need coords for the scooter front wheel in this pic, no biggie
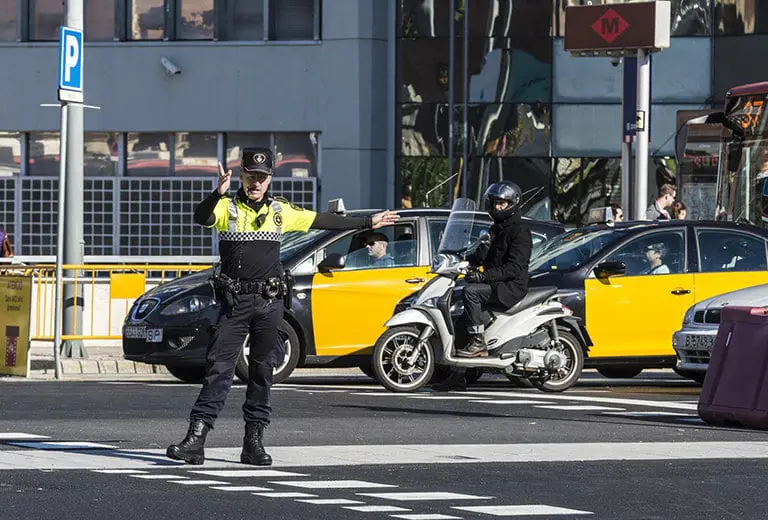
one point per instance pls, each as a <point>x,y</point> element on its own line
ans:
<point>400,362</point>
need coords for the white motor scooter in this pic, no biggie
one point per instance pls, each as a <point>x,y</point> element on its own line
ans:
<point>538,339</point>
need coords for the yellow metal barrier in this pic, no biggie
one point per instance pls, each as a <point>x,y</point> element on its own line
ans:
<point>108,291</point>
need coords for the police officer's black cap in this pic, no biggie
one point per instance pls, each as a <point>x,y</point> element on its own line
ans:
<point>256,160</point>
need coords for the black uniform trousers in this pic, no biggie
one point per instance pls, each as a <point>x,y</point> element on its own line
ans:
<point>261,317</point>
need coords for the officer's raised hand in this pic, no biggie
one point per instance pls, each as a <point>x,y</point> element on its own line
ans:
<point>385,218</point>
<point>224,179</point>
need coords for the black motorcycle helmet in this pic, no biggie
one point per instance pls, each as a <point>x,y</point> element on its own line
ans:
<point>504,190</point>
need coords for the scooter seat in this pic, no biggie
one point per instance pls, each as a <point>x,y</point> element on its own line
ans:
<point>535,296</point>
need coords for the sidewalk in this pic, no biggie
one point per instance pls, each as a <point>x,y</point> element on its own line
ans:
<point>105,359</point>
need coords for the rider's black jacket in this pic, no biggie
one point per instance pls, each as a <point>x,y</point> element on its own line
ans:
<point>505,261</point>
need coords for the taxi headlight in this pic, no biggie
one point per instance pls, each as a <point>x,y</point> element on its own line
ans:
<point>188,305</point>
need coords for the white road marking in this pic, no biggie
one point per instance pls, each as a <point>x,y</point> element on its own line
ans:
<point>300,457</point>
<point>528,510</point>
<point>673,405</point>
<point>330,501</point>
<point>427,516</point>
<point>198,482</point>
<point>376,509</point>
<point>510,401</point>
<point>285,494</point>
<point>21,436</point>
<point>60,445</point>
<point>119,471</point>
<point>333,484</point>
<point>577,407</point>
<point>158,477</point>
<point>648,414</point>
<point>249,473</point>
<point>435,397</point>
<point>241,488</point>
<point>424,495</point>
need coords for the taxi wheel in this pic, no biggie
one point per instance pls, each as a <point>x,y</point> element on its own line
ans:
<point>574,353</point>
<point>188,374</point>
<point>392,360</point>
<point>619,373</point>
<point>286,368</point>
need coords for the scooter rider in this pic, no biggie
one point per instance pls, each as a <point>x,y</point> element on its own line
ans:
<point>504,278</point>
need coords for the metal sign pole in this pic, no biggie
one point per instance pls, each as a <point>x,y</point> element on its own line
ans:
<point>641,153</point>
<point>60,239</point>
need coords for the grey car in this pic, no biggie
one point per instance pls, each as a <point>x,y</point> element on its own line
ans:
<point>693,343</point>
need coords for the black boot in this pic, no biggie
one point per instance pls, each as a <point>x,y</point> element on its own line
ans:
<point>456,380</point>
<point>253,447</point>
<point>475,348</point>
<point>190,450</point>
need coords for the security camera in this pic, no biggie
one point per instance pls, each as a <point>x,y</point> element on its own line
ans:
<point>170,67</point>
<point>615,62</point>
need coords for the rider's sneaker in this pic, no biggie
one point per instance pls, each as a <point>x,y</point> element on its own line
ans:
<point>475,348</point>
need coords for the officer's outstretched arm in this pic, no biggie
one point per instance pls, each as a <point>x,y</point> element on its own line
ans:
<point>340,222</point>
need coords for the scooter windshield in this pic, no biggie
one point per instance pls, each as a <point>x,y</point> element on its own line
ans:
<point>457,235</point>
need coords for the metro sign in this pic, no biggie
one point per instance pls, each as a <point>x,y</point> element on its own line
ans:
<point>610,25</point>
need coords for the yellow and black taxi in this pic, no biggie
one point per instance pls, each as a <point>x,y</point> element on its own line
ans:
<point>346,285</point>
<point>636,280</point>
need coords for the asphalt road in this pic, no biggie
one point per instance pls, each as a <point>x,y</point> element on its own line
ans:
<point>345,448</point>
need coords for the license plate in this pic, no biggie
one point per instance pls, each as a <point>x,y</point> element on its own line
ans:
<point>135,332</point>
<point>699,342</point>
<point>154,335</point>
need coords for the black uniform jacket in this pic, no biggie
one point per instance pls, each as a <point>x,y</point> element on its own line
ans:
<point>505,261</point>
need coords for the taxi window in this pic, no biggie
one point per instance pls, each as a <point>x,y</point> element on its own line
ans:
<point>387,247</point>
<point>569,251</point>
<point>724,250</point>
<point>657,253</point>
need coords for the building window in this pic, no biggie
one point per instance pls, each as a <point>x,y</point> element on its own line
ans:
<point>10,154</point>
<point>43,153</point>
<point>243,20</point>
<point>195,20</point>
<point>45,18</point>
<point>7,25</point>
<point>99,20</point>
<point>146,19</point>
<point>101,153</point>
<point>148,154</point>
<point>294,19</point>
<point>295,155</point>
<point>195,154</point>
<point>733,17</point>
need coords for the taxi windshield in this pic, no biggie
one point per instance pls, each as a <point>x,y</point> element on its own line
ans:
<point>295,240</point>
<point>571,250</point>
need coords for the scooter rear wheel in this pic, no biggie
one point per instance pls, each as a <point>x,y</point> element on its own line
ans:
<point>394,363</point>
<point>570,374</point>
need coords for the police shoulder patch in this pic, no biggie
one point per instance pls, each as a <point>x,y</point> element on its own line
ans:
<point>278,219</point>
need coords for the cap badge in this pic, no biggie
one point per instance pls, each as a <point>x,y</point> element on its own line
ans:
<point>259,158</point>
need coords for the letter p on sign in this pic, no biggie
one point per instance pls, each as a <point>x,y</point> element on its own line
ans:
<point>71,63</point>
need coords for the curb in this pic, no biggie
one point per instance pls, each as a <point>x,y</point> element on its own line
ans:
<point>96,366</point>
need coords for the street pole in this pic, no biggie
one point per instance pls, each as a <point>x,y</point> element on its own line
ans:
<point>626,165</point>
<point>74,244</point>
<point>641,153</point>
<point>465,89</point>
<point>60,241</point>
<point>451,90</point>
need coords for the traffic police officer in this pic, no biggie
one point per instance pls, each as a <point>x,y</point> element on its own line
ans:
<point>250,283</point>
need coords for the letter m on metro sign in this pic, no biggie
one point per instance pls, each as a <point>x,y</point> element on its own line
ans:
<point>610,25</point>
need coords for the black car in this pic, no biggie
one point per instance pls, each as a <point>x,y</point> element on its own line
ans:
<point>339,302</point>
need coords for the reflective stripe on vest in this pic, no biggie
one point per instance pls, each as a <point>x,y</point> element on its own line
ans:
<point>232,226</point>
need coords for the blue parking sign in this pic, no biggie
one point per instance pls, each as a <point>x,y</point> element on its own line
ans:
<point>71,60</point>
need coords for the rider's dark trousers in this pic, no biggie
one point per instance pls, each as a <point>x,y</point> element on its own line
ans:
<point>262,318</point>
<point>476,296</point>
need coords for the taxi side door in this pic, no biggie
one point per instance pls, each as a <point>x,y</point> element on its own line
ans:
<point>351,304</point>
<point>728,260</point>
<point>635,313</point>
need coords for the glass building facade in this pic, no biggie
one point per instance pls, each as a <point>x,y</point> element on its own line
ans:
<point>552,122</point>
